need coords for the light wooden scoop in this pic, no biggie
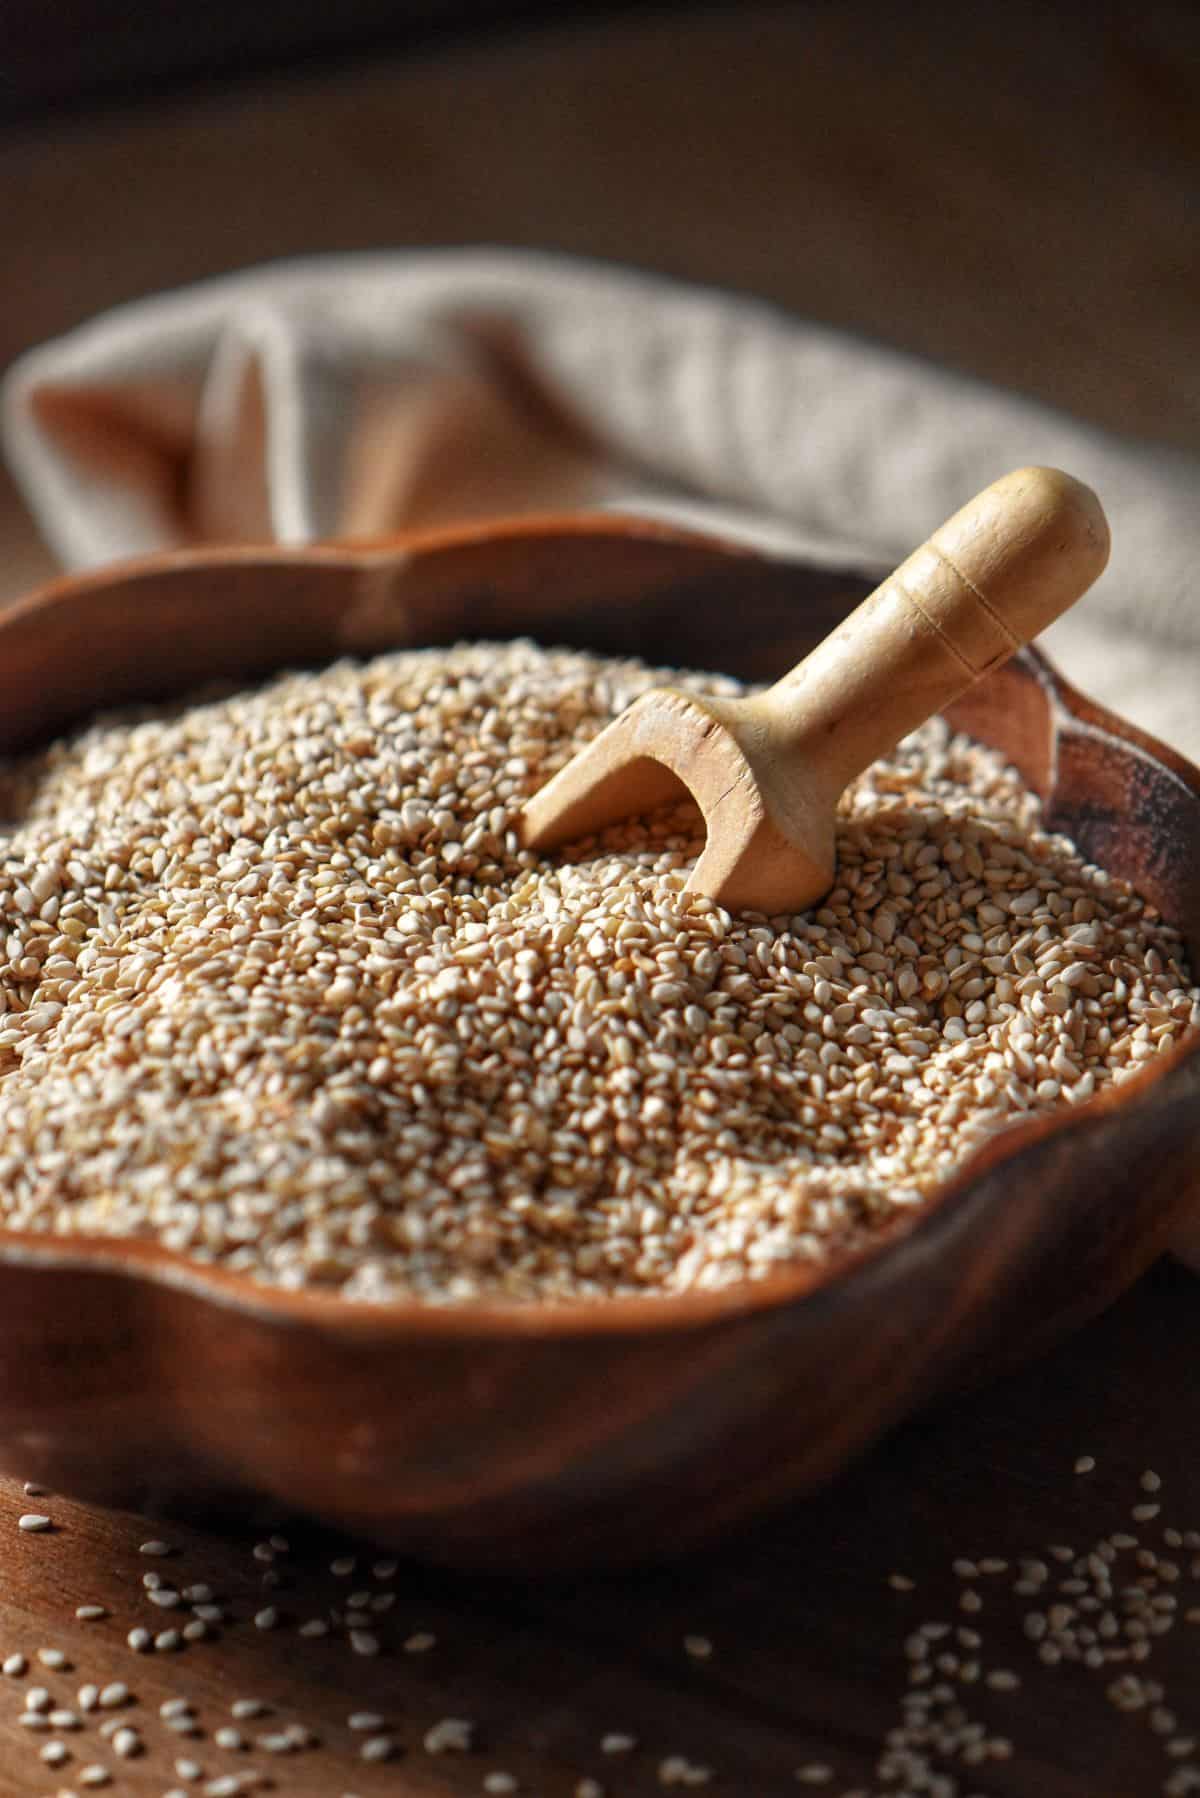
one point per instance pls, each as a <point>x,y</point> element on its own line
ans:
<point>767,772</point>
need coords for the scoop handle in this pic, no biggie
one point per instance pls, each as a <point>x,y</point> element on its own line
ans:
<point>993,576</point>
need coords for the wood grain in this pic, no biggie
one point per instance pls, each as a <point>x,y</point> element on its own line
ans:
<point>808,1660</point>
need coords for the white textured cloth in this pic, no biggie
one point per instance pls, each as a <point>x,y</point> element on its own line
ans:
<point>355,395</point>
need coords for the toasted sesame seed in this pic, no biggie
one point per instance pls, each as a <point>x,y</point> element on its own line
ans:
<point>453,945</point>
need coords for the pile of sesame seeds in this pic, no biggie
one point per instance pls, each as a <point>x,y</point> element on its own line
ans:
<point>281,990</point>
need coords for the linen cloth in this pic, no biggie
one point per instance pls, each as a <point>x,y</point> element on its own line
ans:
<point>350,396</point>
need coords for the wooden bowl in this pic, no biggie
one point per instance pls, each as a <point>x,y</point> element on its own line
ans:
<point>572,1434</point>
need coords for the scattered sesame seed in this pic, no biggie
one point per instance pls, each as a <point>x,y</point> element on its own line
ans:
<point>420,1642</point>
<point>15,1665</point>
<point>450,1735</point>
<point>381,1748</point>
<point>230,1738</point>
<point>54,1659</point>
<point>617,1743</point>
<point>55,1753</point>
<point>167,1641</point>
<point>154,1547</point>
<point>266,1618</point>
<point>365,1720</point>
<point>111,1696</point>
<point>244,1708</point>
<point>34,1522</point>
<point>90,1613</point>
<point>363,1641</point>
<point>140,1640</point>
<point>500,1782</point>
<point>1085,1464</point>
<point>698,1647</point>
<point>127,1743</point>
<point>900,1582</point>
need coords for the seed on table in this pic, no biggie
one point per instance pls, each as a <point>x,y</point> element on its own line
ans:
<point>449,1735</point>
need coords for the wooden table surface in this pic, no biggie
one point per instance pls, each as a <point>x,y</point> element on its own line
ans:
<point>806,1670</point>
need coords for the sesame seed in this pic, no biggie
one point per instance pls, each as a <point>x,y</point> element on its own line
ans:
<point>54,1659</point>
<point>90,1613</point>
<point>111,1696</point>
<point>698,1647</point>
<point>1085,1464</point>
<point>900,1582</point>
<point>365,1720</point>
<point>362,1641</point>
<point>55,1753</point>
<point>244,1708</point>
<point>34,1522</point>
<point>230,1738</point>
<point>381,1748</point>
<point>64,1719</point>
<point>38,1699</point>
<point>167,1641</point>
<point>617,1743</point>
<point>154,1547</point>
<point>450,1735</point>
<point>589,1788</point>
<point>815,1773</point>
<point>127,1743</point>
<point>94,1775</point>
<point>266,1618</point>
<point>500,1782</point>
<point>420,1642</point>
<point>15,1665</point>
<point>188,1769</point>
<point>969,968</point>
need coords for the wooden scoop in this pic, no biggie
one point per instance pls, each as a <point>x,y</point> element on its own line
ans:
<point>767,772</point>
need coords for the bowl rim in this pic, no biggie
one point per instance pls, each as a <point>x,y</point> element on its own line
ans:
<point>146,1261</point>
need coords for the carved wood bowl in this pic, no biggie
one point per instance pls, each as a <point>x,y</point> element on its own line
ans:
<point>572,1434</point>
